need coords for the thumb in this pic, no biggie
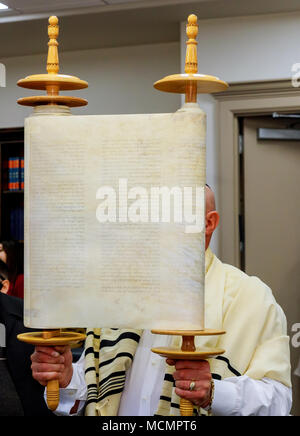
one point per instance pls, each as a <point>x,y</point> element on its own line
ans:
<point>62,348</point>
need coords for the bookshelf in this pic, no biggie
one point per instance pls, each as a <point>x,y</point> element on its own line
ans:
<point>12,196</point>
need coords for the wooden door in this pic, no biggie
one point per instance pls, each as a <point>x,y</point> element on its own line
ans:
<point>272,219</point>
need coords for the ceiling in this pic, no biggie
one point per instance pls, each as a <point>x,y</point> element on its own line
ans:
<point>89,24</point>
<point>23,10</point>
<point>20,10</point>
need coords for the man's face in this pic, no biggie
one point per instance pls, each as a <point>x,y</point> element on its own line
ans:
<point>3,255</point>
<point>5,286</point>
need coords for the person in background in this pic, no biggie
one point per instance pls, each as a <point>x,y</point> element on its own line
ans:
<point>20,395</point>
<point>12,253</point>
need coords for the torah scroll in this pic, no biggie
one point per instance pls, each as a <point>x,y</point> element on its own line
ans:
<point>114,221</point>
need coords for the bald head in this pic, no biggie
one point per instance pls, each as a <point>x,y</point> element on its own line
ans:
<point>211,215</point>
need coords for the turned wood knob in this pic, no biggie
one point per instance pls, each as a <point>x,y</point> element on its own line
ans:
<point>52,60</point>
<point>191,61</point>
<point>53,394</point>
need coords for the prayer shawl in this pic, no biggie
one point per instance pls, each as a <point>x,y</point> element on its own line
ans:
<point>256,342</point>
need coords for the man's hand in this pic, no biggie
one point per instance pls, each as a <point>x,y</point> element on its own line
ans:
<point>197,371</point>
<point>52,363</point>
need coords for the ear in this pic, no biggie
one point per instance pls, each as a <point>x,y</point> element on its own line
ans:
<point>211,223</point>
<point>5,286</point>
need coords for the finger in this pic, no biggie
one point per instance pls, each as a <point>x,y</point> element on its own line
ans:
<point>44,377</point>
<point>196,397</point>
<point>61,349</point>
<point>199,385</point>
<point>50,351</point>
<point>192,364</point>
<point>41,357</point>
<point>191,374</point>
<point>45,367</point>
<point>170,362</point>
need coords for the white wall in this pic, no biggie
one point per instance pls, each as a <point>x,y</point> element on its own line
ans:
<point>120,80</point>
<point>260,47</point>
<point>242,49</point>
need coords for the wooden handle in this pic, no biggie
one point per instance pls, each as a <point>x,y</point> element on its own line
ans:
<point>188,351</point>
<point>53,394</point>
<point>52,60</point>
<point>186,407</point>
<point>52,338</point>
<point>191,59</point>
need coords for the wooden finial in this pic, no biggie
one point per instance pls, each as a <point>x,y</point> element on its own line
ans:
<point>191,83</point>
<point>52,60</point>
<point>52,82</point>
<point>191,61</point>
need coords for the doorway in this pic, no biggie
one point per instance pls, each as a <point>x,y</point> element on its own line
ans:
<point>259,173</point>
<point>269,148</point>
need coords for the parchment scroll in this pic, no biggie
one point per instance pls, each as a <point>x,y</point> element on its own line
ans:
<point>114,221</point>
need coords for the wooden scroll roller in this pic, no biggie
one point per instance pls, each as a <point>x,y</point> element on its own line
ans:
<point>188,351</point>
<point>52,338</point>
<point>191,83</point>
<point>52,82</point>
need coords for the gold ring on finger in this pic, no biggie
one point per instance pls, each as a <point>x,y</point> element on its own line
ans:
<point>192,386</point>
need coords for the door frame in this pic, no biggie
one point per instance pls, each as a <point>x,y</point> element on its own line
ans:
<point>242,99</point>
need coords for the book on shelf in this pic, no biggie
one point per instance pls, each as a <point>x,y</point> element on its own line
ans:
<point>22,174</point>
<point>15,177</point>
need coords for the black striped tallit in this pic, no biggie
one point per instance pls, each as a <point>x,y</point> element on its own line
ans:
<point>108,355</point>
